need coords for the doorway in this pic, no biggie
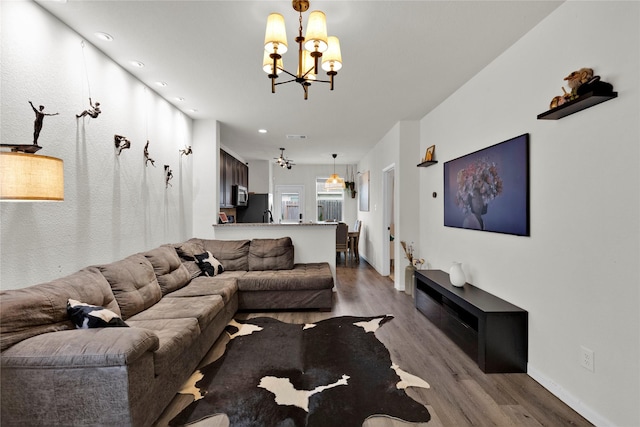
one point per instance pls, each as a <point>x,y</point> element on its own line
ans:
<point>289,203</point>
<point>388,223</point>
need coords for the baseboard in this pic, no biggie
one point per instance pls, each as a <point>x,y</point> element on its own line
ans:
<point>569,399</point>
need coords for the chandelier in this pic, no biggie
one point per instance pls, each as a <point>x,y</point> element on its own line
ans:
<point>282,161</point>
<point>334,182</point>
<point>317,46</point>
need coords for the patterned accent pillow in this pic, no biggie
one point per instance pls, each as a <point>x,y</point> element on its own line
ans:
<point>87,316</point>
<point>208,264</point>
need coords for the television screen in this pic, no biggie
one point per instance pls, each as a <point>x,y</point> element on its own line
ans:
<point>488,190</point>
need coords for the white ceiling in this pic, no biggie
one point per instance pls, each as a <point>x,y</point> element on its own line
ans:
<point>401,59</point>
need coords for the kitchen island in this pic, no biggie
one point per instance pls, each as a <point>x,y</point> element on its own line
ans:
<point>312,241</point>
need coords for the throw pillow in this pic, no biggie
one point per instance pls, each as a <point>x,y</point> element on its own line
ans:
<point>86,316</point>
<point>208,264</point>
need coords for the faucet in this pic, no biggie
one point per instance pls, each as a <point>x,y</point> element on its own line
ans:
<point>270,218</point>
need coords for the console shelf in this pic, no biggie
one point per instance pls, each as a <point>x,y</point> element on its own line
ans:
<point>490,330</point>
<point>427,163</point>
<point>583,102</point>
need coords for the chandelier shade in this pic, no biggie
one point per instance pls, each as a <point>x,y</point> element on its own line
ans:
<point>275,38</point>
<point>31,177</point>
<point>308,69</point>
<point>267,64</point>
<point>332,58</point>
<point>316,36</point>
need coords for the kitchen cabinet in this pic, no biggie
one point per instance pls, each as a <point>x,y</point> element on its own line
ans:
<point>232,172</point>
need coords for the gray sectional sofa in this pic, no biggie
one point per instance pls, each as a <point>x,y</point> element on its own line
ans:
<point>56,375</point>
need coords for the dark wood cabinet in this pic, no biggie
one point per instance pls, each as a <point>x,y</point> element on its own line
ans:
<point>232,172</point>
<point>491,331</point>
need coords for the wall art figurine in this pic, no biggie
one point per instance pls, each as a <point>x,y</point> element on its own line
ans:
<point>93,111</point>
<point>121,142</point>
<point>580,82</point>
<point>148,159</point>
<point>168,175</point>
<point>37,124</point>
<point>187,150</point>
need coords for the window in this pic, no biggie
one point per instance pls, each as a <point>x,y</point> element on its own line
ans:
<point>329,202</point>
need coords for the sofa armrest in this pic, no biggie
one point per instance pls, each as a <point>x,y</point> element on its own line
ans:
<point>81,348</point>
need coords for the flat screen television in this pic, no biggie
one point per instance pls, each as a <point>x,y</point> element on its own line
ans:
<point>488,190</point>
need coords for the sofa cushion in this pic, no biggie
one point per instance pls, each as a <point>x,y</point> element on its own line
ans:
<point>222,285</point>
<point>167,265</point>
<point>189,249</point>
<point>175,337</point>
<point>204,309</point>
<point>231,253</point>
<point>271,254</point>
<point>209,265</point>
<point>133,283</point>
<point>81,348</point>
<point>42,308</point>
<point>302,277</point>
<point>87,316</point>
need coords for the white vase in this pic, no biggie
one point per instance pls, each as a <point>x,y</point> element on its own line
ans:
<point>456,275</point>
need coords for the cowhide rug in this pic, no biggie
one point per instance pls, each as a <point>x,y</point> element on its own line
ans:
<point>331,373</point>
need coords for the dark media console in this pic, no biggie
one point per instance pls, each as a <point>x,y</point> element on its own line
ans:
<point>490,330</point>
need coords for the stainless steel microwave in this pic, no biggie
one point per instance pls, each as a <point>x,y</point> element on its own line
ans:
<point>240,195</point>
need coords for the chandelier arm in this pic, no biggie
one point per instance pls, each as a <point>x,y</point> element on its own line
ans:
<point>291,74</point>
<point>288,81</point>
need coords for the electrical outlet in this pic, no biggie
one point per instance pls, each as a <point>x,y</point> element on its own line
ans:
<point>586,358</point>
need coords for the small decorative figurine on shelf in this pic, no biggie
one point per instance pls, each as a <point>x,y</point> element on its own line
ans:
<point>168,175</point>
<point>37,124</point>
<point>93,111</point>
<point>187,150</point>
<point>148,159</point>
<point>121,142</point>
<point>580,82</point>
<point>428,156</point>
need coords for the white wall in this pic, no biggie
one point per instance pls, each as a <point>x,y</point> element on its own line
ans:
<point>206,177</point>
<point>577,275</point>
<point>114,206</point>
<point>398,148</point>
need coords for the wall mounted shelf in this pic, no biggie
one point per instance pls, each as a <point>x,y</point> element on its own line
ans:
<point>585,101</point>
<point>427,163</point>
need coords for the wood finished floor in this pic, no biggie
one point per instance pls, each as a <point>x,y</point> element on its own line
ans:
<point>460,394</point>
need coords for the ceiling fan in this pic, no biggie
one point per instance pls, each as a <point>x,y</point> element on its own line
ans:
<point>282,161</point>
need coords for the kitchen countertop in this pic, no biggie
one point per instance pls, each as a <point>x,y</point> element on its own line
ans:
<point>274,224</point>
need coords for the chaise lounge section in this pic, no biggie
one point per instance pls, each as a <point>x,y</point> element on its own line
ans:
<point>55,374</point>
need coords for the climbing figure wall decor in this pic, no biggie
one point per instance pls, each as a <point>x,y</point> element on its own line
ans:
<point>148,159</point>
<point>168,175</point>
<point>37,124</point>
<point>121,143</point>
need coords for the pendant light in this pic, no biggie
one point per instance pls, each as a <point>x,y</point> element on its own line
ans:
<point>334,182</point>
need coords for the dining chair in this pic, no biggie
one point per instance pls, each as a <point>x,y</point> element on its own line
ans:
<point>354,241</point>
<point>342,240</point>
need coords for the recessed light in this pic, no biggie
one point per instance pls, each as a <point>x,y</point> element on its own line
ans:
<point>137,64</point>
<point>104,36</point>
<point>262,131</point>
<point>161,84</point>
<point>179,98</point>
